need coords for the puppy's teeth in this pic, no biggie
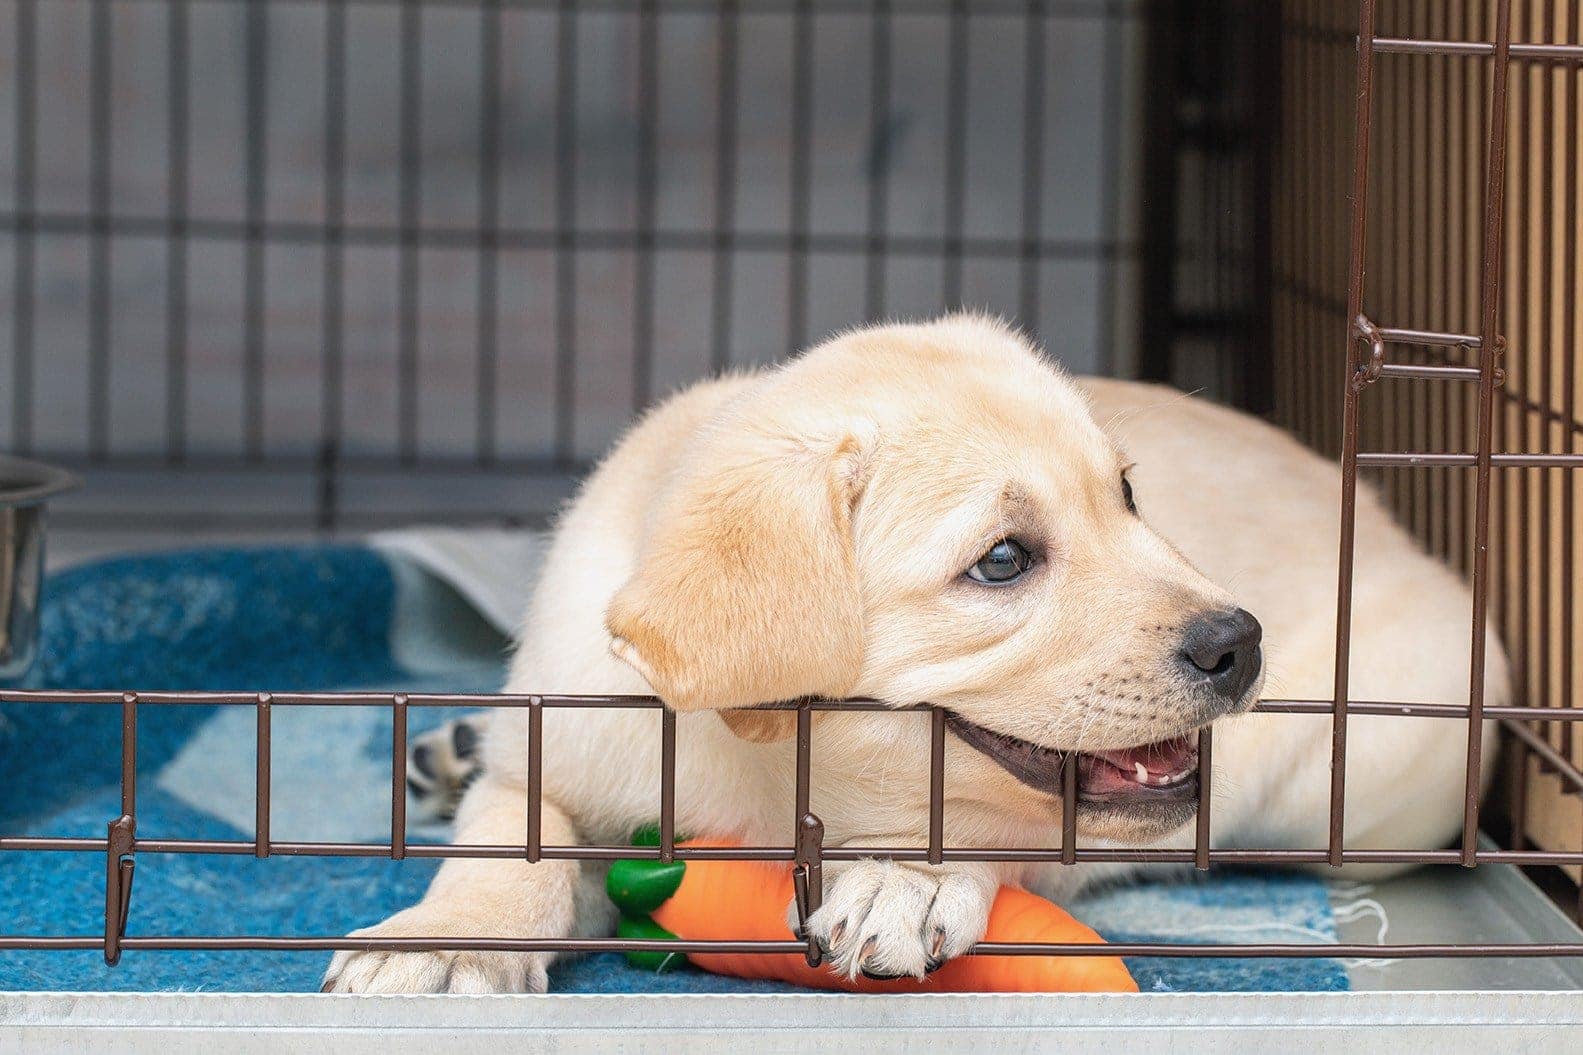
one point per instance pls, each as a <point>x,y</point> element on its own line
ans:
<point>1143,772</point>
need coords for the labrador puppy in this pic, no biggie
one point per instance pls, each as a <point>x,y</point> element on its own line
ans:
<point>937,513</point>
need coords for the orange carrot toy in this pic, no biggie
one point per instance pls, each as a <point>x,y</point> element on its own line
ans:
<point>746,901</point>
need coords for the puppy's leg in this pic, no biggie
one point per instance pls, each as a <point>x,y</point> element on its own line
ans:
<point>886,919</point>
<point>475,899</point>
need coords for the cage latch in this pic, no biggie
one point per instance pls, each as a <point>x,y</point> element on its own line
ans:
<point>808,879</point>
<point>119,864</point>
<point>1370,366</point>
<point>1499,373</point>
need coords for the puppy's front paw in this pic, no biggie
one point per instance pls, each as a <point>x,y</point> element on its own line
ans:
<point>432,972</point>
<point>885,920</point>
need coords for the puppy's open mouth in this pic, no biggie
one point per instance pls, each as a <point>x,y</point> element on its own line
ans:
<point>1164,772</point>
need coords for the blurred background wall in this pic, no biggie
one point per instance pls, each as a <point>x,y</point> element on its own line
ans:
<point>424,241</point>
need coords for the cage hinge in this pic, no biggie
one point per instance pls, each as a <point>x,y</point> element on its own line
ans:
<point>1366,370</point>
<point>808,879</point>
<point>119,865</point>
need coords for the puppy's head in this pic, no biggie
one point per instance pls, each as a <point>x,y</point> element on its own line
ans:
<point>930,513</point>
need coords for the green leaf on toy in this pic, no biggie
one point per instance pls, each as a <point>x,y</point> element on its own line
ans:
<point>640,887</point>
<point>645,929</point>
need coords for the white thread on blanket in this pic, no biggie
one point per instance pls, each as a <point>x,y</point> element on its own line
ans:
<point>1319,936</point>
<point>1358,906</point>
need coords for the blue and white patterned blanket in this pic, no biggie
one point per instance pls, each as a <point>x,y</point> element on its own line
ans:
<point>328,617</point>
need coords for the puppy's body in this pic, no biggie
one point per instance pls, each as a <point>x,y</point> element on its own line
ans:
<point>1249,507</point>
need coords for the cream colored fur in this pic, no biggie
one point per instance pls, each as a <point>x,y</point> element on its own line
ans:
<point>805,531</point>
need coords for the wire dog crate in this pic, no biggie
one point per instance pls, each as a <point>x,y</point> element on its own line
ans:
<point>1433,343</point>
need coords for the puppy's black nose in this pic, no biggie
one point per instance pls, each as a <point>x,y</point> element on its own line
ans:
<point>1221,651</point>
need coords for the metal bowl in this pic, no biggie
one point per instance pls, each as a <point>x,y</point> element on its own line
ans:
<point>24,488</point>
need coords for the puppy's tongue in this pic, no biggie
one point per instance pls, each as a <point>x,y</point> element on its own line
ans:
<point>1152,765</point>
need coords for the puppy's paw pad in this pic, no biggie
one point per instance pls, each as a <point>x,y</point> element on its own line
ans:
<point>886,920</point>
<point>440,765</point>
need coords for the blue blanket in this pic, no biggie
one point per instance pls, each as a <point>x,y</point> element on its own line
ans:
<point>339,617</point>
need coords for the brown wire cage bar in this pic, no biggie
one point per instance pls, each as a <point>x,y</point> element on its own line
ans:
<point>1361,220</point>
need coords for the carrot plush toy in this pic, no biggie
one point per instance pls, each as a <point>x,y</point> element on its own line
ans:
<point>746,901</point>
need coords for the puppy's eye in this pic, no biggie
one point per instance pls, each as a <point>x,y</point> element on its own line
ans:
<point>1006,561</point>
<point>1126,496</point>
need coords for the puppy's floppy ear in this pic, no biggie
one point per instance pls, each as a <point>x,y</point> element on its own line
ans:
<point>746,589</point>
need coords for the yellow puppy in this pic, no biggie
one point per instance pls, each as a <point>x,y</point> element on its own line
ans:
<point>936,513</point>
